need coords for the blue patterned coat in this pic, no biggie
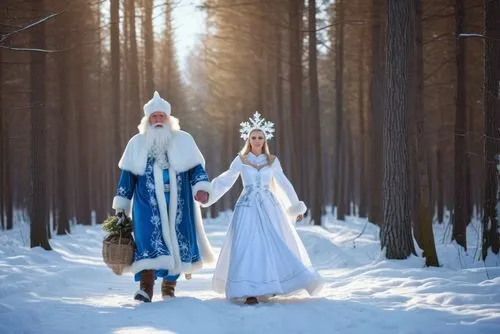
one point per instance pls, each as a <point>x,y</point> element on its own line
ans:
<point>168,228</point>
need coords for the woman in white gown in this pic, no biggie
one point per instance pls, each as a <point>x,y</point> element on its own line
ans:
<point>262,254</point>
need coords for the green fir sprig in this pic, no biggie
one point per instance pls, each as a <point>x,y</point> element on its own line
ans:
<point>113,227</point>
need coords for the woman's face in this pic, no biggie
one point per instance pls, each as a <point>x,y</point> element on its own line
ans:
<point>256,139</point>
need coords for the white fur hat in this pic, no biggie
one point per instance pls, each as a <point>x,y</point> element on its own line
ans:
<point>156,104</point>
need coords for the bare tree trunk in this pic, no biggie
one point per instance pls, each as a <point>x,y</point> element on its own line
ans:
<point>316,172</point>
<point>377,83</point>
<point>133,70</point>
<point>148,46</point>
<point>440,187</point>
<point>295,78</point>
<point>423,209</point>
<point>115,79</point>
<point>396,236</point>
<point>339,106</point>
<point>3,148</point>
<point>460,206</point>
<point>279,93</point>
<point>363,177</point>
<point>491,237</point>
<point>39,208</point>
<point>62,221</point>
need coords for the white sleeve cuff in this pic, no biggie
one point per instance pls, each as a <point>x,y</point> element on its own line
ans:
<point>120,202</point>
<point>203,186</point>
<point>296,209</point>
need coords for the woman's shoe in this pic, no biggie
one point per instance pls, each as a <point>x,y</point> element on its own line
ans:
<point>251,301</point>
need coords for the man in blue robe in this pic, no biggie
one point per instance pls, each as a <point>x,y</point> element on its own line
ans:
<point>162,180</point>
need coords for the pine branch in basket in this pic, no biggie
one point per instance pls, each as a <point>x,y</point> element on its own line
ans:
<point>114,226</point>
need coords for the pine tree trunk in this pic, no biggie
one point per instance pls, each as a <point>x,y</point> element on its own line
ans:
<point>316,170</point>
<point>62,221</point>
<point>377,83</point>
<point>363,177</point>
<point>460,206</point>
<point>39,208</point>
<point>423,209</point>
<point>133,70</point>
<point>148,46</point>
<point>3,146</point>
<point>396,236</point>
<point>339,112</point>
<point>492,127</point>
<point>115,81</point>
<point>295,93</point>
<point>440,187</point>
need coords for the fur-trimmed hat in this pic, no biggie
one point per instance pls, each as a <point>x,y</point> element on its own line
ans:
<point>156,104</point>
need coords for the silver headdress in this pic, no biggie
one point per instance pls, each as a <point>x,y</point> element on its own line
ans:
<point>257,123</point>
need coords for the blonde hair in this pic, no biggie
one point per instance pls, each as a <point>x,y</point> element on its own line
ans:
<point>248,147</point>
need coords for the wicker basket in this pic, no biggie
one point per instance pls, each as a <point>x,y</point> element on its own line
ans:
<point>118,252</point>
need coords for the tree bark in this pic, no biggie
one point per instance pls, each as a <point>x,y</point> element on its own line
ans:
<point>148,46</point>
<point>295,81</point>
<point>39,208</point>
<point>491,237</point>
<point>339,112</point>
<point>460,206</point>
<point>377,83</point>
<point>363,175</point>
<point>115,80</point>
<point>62,220</point>
<point>316,183</point>
<point>396,236</point>
<point>423,209</point>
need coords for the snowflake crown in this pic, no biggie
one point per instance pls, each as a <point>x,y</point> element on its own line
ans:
<point>257,123</point>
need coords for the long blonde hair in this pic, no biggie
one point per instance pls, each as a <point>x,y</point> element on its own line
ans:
<point>248,147</point>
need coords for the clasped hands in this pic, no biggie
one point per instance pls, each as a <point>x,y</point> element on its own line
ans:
<point>201,196</point>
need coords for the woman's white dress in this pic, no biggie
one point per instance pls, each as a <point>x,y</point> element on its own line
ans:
<point>262,254</point>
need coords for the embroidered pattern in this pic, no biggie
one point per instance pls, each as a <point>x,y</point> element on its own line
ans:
<point>184,245</point>
<point>157,244</point>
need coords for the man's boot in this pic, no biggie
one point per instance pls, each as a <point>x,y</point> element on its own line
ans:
<point>145,292</point>
<point>168,289</point>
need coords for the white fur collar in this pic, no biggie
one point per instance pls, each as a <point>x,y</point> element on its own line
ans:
<point>183,154</point>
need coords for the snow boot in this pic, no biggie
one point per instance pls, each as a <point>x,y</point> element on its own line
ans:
<point>145,292</point>
<point>168,289</point>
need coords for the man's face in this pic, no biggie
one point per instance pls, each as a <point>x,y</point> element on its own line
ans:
<point>157,119</point>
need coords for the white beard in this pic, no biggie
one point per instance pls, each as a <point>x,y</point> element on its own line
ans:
<point>158,139</point>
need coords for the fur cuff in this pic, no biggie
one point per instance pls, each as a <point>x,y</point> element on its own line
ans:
<point>120,202</point>
<point>204,186</point>
<point>296,209</point>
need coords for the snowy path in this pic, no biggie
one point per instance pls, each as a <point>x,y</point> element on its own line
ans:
<point>70,290</point>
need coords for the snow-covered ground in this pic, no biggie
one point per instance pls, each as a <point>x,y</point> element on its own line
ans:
<point>70,290</point>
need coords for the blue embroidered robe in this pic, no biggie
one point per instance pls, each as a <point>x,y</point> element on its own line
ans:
<point>168,231</point>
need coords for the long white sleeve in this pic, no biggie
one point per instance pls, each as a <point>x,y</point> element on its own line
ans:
<point>296,207</point>
<point>222,183</point>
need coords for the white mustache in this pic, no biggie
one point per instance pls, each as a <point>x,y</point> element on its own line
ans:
<point>158,125</point>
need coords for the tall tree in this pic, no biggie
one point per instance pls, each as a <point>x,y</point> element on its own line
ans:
<point>295,82</point>
<point>396,236</point>
<point>115,78</point>
<point>316,173</point>
<point>39,209</point>
<point>423,208</point>
<point>339,110</point>
<point>491,126</point>
<point>460,206</point>
<point>63,217</point>
<point>377,83</point>
<point>148,47</point>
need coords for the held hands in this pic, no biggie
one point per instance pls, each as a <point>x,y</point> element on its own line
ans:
<point>299,218</point>
<point>201,196</point>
